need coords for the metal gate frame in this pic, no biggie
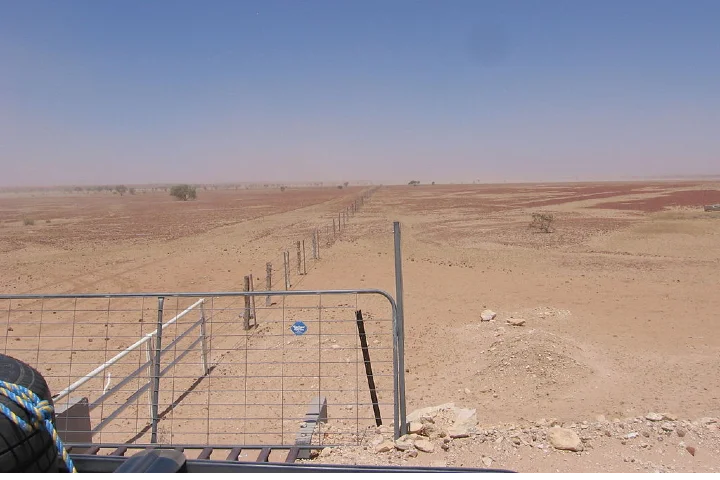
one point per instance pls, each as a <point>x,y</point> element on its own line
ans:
<point>399,407</point>
<point>399,403</point>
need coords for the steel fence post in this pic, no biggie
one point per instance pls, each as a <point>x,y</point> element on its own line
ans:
<point>156,374</point>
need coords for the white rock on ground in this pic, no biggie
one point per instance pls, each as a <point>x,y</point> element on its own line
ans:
<point>487,461</point>
<point>516,322</point>
<point>415,427</point>
<point>564,439</point>
<point>417,415</point>
<point>487,315</point>
<point>386,446</point>
<point>425,446</point>
<point>654,417</point>
<point>465,423</point>
<point>404,443</point>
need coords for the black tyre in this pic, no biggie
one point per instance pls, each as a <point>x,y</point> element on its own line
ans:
<point>20,451</point>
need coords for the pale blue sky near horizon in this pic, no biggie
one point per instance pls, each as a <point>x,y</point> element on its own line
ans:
<point>238,91</point>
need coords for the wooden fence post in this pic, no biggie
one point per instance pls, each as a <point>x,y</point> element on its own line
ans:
<point>246,313</point>
<point>299,258</point>
<point>304,259</point>
<point>253,311</point>
<point>314,245</point>
<point>286,266</point>
<point>268,283</point>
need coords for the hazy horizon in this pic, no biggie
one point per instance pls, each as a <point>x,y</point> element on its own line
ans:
<point>282,91</point>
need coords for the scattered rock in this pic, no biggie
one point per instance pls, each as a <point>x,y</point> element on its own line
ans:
<point>564,439</point>
<point>690,450</point>
<point>427,419</point>
<point>428,413</point>
<point>412,453</point>
<point>487,315</point>
<point>377,440</point>
<point>445,446</point>
<point>335,346</point>
<point>385,446</point>
<point>631,435</point>
<point>516,322</point>
<point>707,420</point>
<point>467,391</point>
<point>669,417</point>
<point>465,423</point>
<point>600,418</point>
<point>415,427</point>
<point>654,417</point>
<point>680,432</point>
<point>646,434</point>
<point>425,446</point>
<point>667,426</point>
<point>404,443</point>
<point>431,430</point>
<point>487,461</point>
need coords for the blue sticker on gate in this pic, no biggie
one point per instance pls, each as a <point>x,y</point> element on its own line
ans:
<point>298,328</point>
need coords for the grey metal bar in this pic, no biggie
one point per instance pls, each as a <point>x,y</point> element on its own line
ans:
<point>399,364</point>
<point>286,293</point>
<point>156,376</point>
<point>203,342</point>
<point>149,347</point>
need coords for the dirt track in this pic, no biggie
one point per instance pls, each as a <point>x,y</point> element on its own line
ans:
<point>620,302</point>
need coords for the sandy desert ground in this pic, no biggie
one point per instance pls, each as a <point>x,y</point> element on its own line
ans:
<point>620,302</point>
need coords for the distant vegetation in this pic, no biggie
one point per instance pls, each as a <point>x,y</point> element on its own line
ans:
<point>121,189</point>
<point>414,183</point>
<point>183,192</point>
<point>542,222</point>
<point>28,221</point>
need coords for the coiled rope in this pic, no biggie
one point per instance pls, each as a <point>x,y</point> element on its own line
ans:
<point>40,413</point>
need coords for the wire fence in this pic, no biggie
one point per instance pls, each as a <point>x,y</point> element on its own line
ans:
<point>319,368</point>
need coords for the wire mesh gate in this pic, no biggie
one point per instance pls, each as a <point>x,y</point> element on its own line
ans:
<point>180,368</point>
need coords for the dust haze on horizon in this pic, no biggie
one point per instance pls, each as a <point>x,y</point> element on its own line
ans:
<point>281,91</point>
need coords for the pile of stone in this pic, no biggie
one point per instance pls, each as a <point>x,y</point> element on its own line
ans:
<point>429,429</point>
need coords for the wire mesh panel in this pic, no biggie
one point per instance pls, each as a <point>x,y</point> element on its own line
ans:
<point>318,368</point>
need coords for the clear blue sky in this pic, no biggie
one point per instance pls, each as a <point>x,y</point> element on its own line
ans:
<point>162,91</point>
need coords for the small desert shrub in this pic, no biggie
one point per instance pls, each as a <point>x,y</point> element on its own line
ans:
<point>28,221</point>
<point>183,192</point>
<point>47,221</point>
<point>121,189</point>
<point>282,189</point>
<point>131,191</point>
<point>542,222</point>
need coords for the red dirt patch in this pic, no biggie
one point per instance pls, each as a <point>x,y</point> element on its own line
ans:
<point>690,198</point>
<point>70,220</point>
